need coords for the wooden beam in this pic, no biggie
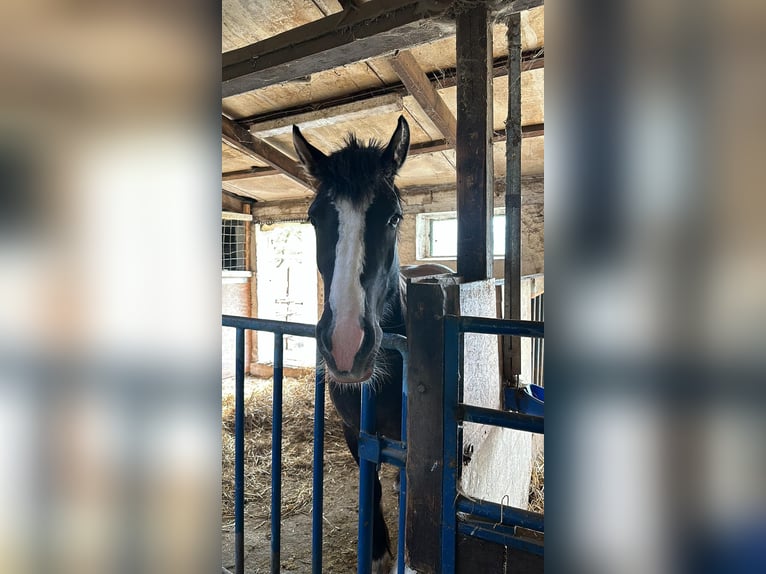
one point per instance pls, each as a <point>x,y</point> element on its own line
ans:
<point>474,144</point>
<point>425,93</point>
<point>231,202</point>
<point>530,131</point>
<point>239,138</point>
<point>512,262</point>
<point>428,301</point>
<point>246,173</point>
<point>518,6</point>
<point>359,33</point>
<point>531,60</point>
<point>387,103</point>
<point>417,199</point>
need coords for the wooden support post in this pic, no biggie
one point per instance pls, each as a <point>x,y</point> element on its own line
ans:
<point>474,144</point>
<point>512,271</point>
<point>428,300</point>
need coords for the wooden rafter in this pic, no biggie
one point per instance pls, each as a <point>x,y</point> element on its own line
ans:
<point>529,131</point>
<point>442,79</point>
<point>356,34</point>
<point>242,140</point>
<point>425,93</point>
<point>387,103</point>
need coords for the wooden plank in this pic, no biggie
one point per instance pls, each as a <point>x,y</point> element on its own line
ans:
<point>474,144</point>
<point>241,139</point>
<point>245,173</point>
<point>387,103</point>
<point>428,302</point>
<point>231,202</point>
<point>533,130</point>
<point>518,6</point>
<point>358,33</point>
<point>425,94</point>
<point>442,79</point>
<point>476,555</point>
<point>416,200</point>
<point>520,562</point>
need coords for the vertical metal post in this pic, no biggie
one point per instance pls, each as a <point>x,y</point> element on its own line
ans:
<point>367,470</point>
<point>451,466</point>
<point>402,474</point>
<point>276,456</point>
<point>512,270</point>
<point>317,502</point>
<point>239,454</point>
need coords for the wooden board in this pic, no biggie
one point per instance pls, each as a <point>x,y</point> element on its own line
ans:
<point>321,86</point>
<point>532,98</point>
<point>233,160</point>
<point>532,157</point>
<point>270,188</point>
<point>244,22</point>
<point>375,28</point>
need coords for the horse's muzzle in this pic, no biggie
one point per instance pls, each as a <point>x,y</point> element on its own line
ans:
<point>348,351</point>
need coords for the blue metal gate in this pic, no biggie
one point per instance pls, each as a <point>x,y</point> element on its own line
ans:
<point>482,519</point>
<point>372,449</point>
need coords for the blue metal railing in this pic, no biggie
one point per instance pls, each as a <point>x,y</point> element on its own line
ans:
<point>482,519</point>
<point>372,449</point>
<point>280,329</point>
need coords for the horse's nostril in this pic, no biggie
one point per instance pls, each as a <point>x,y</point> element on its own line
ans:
<point>346,340</point>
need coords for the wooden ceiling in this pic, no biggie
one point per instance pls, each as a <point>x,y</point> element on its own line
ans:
<point>336,67</point>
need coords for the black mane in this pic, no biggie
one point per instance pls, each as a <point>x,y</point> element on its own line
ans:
<point>355,172</point>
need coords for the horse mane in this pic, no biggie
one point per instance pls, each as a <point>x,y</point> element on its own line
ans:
<point>357,161</point>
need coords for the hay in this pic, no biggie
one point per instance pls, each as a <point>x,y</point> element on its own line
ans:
<point>537,485</point>
<point>297,440</point>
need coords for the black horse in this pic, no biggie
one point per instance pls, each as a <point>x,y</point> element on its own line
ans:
<point>356,216</point>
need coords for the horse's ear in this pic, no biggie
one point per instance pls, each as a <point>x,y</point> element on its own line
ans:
<point>396,152</point>
<point>310,156</point>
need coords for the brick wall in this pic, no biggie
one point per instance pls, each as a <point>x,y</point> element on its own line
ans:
<point>235,300</point>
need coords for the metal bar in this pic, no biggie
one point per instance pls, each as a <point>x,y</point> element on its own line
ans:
<point>491,326</point>
<point>450,461</point>
<point>394,453</point>
<point>512,265</point>
<point>500,514</point>
<point>506,419</point>
<point>542,345</point>
<point>499,535</point>
<point>276,456</point>
<point>317,502</point>
<point>377,449</point>
<point>367,470</point>
<point>403,471</point>
<point>296,329</point>
<point>239,454</point>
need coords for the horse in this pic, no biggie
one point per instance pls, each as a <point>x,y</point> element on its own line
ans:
<point>356,214</point>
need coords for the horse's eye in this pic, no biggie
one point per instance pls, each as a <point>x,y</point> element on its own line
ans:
<point>395,219</point>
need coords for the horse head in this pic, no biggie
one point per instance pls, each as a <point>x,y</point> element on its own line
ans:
<point>356,214</point>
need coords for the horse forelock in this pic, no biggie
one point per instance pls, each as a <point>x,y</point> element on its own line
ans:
<point>357,172</point>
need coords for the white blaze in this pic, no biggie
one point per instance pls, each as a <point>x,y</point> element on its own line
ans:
<point>346,294</point>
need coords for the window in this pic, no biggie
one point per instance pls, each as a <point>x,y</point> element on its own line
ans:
<point>233,252</point>
<point>235,263</point>
<point>437,235</point>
